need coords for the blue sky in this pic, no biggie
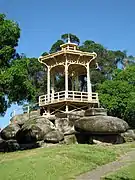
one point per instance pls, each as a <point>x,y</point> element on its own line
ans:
<point>109,22</point>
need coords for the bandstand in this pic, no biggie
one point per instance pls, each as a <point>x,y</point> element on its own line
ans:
<point>72,64</point>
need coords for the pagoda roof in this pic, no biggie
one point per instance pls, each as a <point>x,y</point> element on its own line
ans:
<point>68,49</point>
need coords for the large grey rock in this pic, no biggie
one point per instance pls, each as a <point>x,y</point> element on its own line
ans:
<point>22,118</point>
<point>70,139</point>
<point>54,137</point>
<point>9,146</point>
<point>101,124</point>
<point>64,125</point>
<point>34,130</point>
<point>96,112</point>
<point>129,135</point>
<point>10,131</point>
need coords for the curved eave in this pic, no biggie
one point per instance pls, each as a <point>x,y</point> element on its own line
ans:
<point>44,59</point>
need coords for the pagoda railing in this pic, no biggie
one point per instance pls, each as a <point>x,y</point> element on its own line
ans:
<point>75,96</point>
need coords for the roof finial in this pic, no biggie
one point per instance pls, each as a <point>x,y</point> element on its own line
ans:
<point>69,38</point>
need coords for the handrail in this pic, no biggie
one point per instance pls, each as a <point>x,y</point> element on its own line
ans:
<point>72,96</point>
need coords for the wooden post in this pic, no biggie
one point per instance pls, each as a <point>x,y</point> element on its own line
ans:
<point>66,80</point>
<point>52,87</point>
<point>48,83</point>
<point>89,89</point>
<point>66,108</point>
<point>76,82</point>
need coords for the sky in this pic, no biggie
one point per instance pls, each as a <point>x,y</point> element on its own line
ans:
<point>42,22</point>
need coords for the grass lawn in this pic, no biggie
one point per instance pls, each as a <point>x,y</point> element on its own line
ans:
<point>56,163</point>
<point>125,173</point>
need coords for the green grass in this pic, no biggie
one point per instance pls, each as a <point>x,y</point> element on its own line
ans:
<point>126,173</point>
<point>56,163</point>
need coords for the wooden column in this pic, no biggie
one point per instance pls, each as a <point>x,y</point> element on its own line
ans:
<point>89,89</point>
<point>52,88</point>
<point>76,82</point>
<point>66,80</point>
<point>66,84</point>
<point>48,83</point>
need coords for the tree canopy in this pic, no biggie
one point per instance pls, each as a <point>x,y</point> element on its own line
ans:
<point>118,95</point>
<point>9,36</point>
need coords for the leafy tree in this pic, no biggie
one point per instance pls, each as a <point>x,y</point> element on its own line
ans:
<point>56,46</point>
<point>73,38</point>
<point>9,36</point>
<point>44,54</point>
<point>118,95</point>
<point>64,38</point>
<point>106,60</point>
<point>26,80</point>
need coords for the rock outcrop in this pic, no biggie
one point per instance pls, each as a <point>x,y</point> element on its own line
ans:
<point>129,135</point>
<point>54,136</point>
<point>34,130</point>
<point>10,131</point>
<point>28,131</point>
<point>101,125</point>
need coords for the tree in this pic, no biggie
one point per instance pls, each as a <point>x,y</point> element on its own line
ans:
<point>9,36</point>
<point>64,38</point>
<point>73,38</point>
<point>118,95</point>
<point>26,80</point>
<point>106,60</point>
<point>44,54</point>
<point>56,46</point>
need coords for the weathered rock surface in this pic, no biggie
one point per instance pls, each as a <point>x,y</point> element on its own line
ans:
<point>22,118</point>
<point>109,138</point>
<point>70,114</point>
<point>10,131</point>
<point>34,130</point>
<point>101,124</point>
<point>129,135</point>
<point>96,112</point>
<point>70,139</point>
<point>54,137</point>
<point>65,126</point>
<point>9,146</point>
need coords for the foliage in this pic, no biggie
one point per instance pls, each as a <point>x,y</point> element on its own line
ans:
<point>118,95</point>
<point>106,60</point>
<point>73,38</point>
<point>26,80</point>
<point>44,54</point>
<point>9,36</point>
<point>64,38</point>
<point>56,46</point>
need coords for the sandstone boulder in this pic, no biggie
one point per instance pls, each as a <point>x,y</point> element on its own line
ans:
<point>65,125</point>
<point>22,118</point>
<point>9,146</point>
<point>129,135</point>
<point>70,139</point>
<point>34,130</point>
<point>54,137</point>
<point>10,131</point>
<point>101,124</point>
